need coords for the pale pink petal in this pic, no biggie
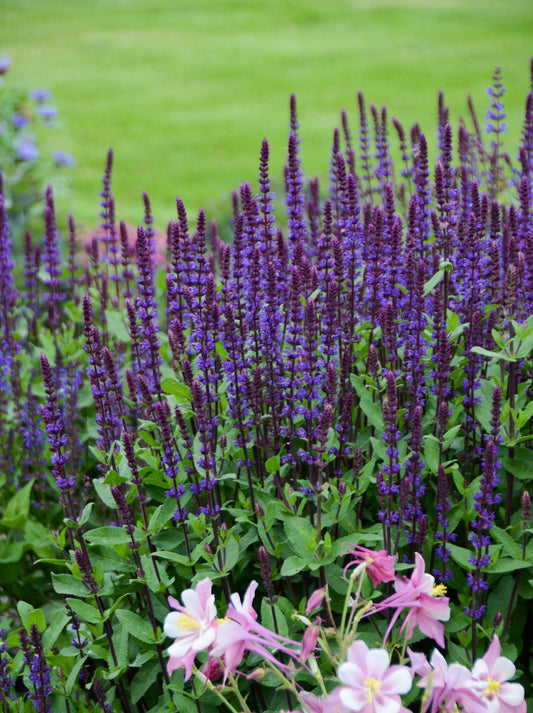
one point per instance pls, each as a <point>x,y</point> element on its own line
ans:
<point>419,662</point>
<point>480,670</point>
<point>353,700</point>
<point>512,693</point>
<point>397,680</point>
<point>203,590</point>
<point>503,669</point>
<point>204,640</point>
<point>386,705</point>
<point>377,662</point>
<point>428,626</point>
<point>350,674</point>
<point>180,647</point>
<point>493,652</point>
<point>357,652</point>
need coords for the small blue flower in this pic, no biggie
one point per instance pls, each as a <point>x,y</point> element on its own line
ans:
<point>61,158</point>
<point>26,150</point>
<point>40,95</point>
<point>19,121</point>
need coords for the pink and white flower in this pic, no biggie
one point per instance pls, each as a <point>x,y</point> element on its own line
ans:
<point>240,632</point>
<point>491,676</point>
<point>427,607</point>
<point>379,565</point>
<point>371,684</point>
<point>447,685</point>
<point>193,625</point>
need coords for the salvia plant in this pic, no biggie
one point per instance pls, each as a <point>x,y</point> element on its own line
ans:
<point>289,472</point>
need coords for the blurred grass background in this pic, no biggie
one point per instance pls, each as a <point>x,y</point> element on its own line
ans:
<point>185,90</point>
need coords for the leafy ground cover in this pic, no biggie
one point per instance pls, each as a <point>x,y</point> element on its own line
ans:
<point>187,90</point>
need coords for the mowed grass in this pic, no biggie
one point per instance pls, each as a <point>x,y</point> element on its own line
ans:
<point>185,90</point>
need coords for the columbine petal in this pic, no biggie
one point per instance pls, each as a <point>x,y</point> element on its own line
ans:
<point>503,669</point>
<point>377,662</point>
<point>398,680</point>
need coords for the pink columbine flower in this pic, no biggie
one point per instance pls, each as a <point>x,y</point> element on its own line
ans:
<point>239,631</point>
<point>447,686</point>
<point>371,684</point>
<point>427,607</point>
<point>193,625</point>
<point>379,565</point>
<point>491,676</point>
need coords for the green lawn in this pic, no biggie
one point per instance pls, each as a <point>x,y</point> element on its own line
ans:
<point>185,90</point>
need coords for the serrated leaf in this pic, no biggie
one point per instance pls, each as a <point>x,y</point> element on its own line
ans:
<point>86,612</point>
<point>145,677</point>
<point>68,584</point>
<point>72,679</point>
<point>103,490</point>
<point>109,535</point>
<point>120,643</point>
<point>510,546</point>
<point>506,564</point>
<point>521,465</point>
<point>178,389</point>
<point>462,556</point>
<point>58,621</point>
<point>300,534</point>
<point>292,565</point>
<point>136,625</point>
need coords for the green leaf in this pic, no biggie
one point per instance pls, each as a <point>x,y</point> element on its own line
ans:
<point>17,509</point>
<point>301,536</point>
<point>510,546</point>
<point>29,616</point>
<point>103,490</point>
<point>86,612</point>
<point>445,266</point>
<point>72,679</point>
<point>68,584</point>
<point>120,643</point>
<point>136,625</point>
<point>221,350</point>
<point>431,453</point>
<point>109,535</point>
<point>231,553</point>
<point>293,565</point>
<point>506,564</point>
<point>181,391</point>
<point>461,555</point>
<point>144,678</point>
<point>116,326</point>
<point>58,621</point>
<point>521,465</point>
<point>490,354</point>
<point>272,464</point>
<point>268,611</point>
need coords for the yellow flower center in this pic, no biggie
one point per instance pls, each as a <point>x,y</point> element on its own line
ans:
<point>493,687</point>
<point>439,590</point>
<point>186,624</point>
<point>372,687</point>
